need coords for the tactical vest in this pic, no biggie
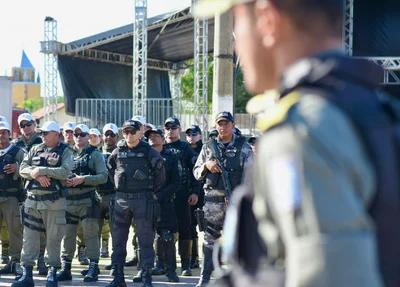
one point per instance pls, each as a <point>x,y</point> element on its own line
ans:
<point>230,157</point>
<point>133,172</point>
<point>81,165</point>
<point>179,152</point>
<point>172,165</point>
<point>6,180</point>
<point>47,159</point>
<point>19,142</point>
<point>108,186</point>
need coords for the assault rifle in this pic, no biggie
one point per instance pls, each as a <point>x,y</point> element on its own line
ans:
<point>224,175</point>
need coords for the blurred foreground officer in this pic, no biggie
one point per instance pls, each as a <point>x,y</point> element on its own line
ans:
<point>328,162</point>
<point>138,171</point>
<point>167,227</point>
<point>46,169</point>
<point>220,165</point>
<point>10,195</point>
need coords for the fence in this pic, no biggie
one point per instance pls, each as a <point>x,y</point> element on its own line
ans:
<point>97,112</point>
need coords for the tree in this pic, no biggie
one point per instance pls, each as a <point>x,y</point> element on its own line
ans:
<point>32,105</point>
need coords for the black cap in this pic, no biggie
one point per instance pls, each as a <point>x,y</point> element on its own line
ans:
<point>131,124</point>
<point>212,132</point>
<point>194,129</point>
<point>237,132</point>
<point>224,116</point>
<point>173,121</point>
<point>158,131</point>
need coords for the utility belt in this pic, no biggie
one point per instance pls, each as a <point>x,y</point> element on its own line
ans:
<point>7,193</point>
<point>81,196</point>
<point>134,195</point>
<point>106,192</point>
<point>51,196</point>
<point>215,199</point>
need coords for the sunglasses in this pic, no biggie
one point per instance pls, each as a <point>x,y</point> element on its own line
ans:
<point>132,132</point>
<point>110,135</point>
<point>191,134</point>
<point>43,133</point>
<point>82,135</point>
<point>28,124</point>
<point>171,128</point>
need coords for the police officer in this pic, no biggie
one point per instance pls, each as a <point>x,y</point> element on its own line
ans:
<point>45,168</point>
<point>194,138</point>
<point>138,171</point>
<point>187,194</point>
<point>235,155</point>
<point>327,163</point>
<point>88,171</point>
<point>68,133</point>
<point>10,195</point>
<point>167,228</point>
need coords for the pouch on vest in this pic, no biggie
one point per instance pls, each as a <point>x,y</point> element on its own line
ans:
<point>139,175</point>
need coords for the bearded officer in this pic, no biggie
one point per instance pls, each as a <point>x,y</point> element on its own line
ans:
<point>88,171</point>
<point>45,168</point>
<point>138,171</point>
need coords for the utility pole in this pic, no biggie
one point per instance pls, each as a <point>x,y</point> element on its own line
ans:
<point>223,63</point>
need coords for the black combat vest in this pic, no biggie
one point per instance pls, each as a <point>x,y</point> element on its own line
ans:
<point>7,181</point>
<point>172,166</point>
<point>133,172</point>
<point>108,186</point>
<point>81,165</point>
<point>50,159</point>
<point>19,142</point>
<point>180,152</point>
<point>230,157</point>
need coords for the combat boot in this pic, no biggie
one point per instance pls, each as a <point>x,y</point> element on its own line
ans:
<point>207,267</point>
<point>9,268</point>
<point>134,261</point>
<point>160,267</point>
<point>185,248</point>
<point>119,277</point>
<point>138,277</point>
<point>5,257</point>
<point>170,261</point>
<point>83,260</point>
<point>194,260</point>
<point>93,272</point>
<point>41,265</point>
<point>104,249</point>
<point>65,272</point>
<point>147,280</point>
<point>26,279</point>
<point>52,277</point>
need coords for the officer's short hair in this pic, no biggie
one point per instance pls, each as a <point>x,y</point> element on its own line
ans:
<point>306,13</point>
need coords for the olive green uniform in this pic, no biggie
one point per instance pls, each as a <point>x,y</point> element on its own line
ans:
<point>79,201</point>
<point>44,215</point>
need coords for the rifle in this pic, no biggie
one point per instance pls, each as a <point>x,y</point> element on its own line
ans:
<point>225,177</point>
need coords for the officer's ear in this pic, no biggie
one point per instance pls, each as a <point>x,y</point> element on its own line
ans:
<point>267,21</point>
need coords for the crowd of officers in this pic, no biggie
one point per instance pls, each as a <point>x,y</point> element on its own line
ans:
<point>60,184</point>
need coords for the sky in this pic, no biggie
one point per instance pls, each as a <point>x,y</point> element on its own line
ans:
<point>22,24</point>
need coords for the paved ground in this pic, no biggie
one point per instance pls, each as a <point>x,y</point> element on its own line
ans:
<point>105,278</point>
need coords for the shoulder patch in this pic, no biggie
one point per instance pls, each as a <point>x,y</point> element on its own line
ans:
<point>278,113</point>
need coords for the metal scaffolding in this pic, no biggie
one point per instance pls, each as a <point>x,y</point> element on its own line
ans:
<point>139,71</point>
<point>176,84</point>
<point>200,71</point>
<point>49,48</point>
<point>348,27</point>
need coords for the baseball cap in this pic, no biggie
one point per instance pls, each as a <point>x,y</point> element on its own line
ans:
<point>158,131</point>
<point>49,126</point>
<point>3,119</point>
<point>5,126</point>
<point>224,116</point>
<point>139,119</point>
<point>69,126</point>
<point>173,121</point>
<point>212,132</point>
<point>110,127</point>
<point>131,124</point>
<point>25,117</point>
<point>94,132</point>
<point>195,129</point>
<point>208,8</point>
<point>150,126</point>
<point>84,128</point>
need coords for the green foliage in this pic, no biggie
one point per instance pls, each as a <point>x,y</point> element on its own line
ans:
<point>32,105</point>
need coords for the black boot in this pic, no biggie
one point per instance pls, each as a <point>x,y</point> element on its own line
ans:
<point>194,260</point>
<point>147,278</point>
<point>41,265</point>
<point>85,271</point>
<point>65,272</point>
<point>160,263</point>
<point>108,267</point>
<point>170,260</point>
<point>119,277</point>
<point>9,268</point>
<point>93,272</point>
<point>5,257</point>
<point>134,261</point>
<point>138,277</point>
<point>207,267</point>
<point>52,277</point>
<point>83,260</point>
<point>185,248</point>
<point>27,279</point>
